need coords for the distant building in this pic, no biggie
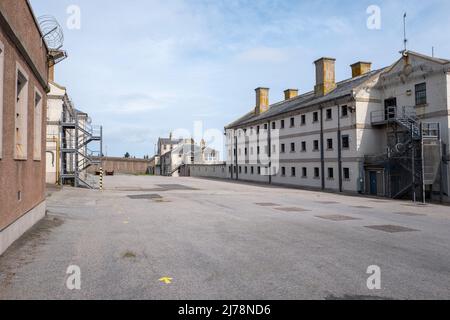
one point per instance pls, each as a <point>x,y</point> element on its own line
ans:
<point>383,132</point>
<point>24,65</point>
<point>73,143</point>
<point>173,154</point>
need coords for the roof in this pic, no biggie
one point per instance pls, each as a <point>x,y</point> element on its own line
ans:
<point>169,141</point>
<point>343,88</point>
<point>437,60</point>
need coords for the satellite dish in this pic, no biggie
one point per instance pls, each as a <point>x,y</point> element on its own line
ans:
<point>52,32</point>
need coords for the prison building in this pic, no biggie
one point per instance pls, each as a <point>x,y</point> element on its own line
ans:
<point>24,64</point>
<point>73,143</point>
<point>177,161</point>
<point>381,132</point>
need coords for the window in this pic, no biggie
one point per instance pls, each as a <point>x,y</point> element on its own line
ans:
<point>37,150</point>
<point>303,146</point>
<point>346,173</point>
<point>259,170</point>
<point>283,171</point>
<point>292,147</point>
<point>282,124</point>
<point>329,114</point>
<point>293,172</point>
<point>252,170</point>
<point>2,61</point>
<point>344,111</point>
<point>246,170</point>
<point>283,148</point>
<point>421,94</point>
<point>315,117</point>
<point>240,169</point>
<point>330,144</point>
<point>316,173</point>
<point>274,125</point>
<point>257,129</point>
<point>258,150</point>
<point>330,173</point>
<point>21,115</point>
<point>292,122</point>
<point>265,126</point>
<point>246,151</point>
<point>303,121</point>
<point>304,172</point>
<point>345,142</point>
<point>316,145</point>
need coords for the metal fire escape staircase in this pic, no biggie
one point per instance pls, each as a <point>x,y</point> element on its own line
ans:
<point>76,156</point>
<point>414,152</point>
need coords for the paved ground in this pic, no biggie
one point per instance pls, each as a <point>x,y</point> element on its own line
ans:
<point>221,240</point>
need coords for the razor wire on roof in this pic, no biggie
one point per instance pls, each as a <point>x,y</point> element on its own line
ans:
<point>52,32</point>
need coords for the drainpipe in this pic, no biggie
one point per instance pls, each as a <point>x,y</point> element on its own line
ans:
<point>322,152</point>
<point>236,155</point>
<point>269,151</point>
<point>339,136</point>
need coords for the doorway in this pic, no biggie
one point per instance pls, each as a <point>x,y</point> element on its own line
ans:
<point>373,177</point>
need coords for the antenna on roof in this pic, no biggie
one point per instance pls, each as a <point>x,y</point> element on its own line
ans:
<point>405,40</point>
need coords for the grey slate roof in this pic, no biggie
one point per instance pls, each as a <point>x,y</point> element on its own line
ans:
<point>343,88</point>
<point>168,141</point>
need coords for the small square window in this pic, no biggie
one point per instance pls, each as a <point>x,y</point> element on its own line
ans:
<point>344,111</point>
<point>346,173</point>
<point>303,121</point>
<point>345,142</point>
<point>330,144</point>
<point>303,146</point>
<point>330,173</point>
<point>315,117</point>
<point>316,145</point>
<point>316,173</point>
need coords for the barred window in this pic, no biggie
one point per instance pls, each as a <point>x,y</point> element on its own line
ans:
<point>421,94</point>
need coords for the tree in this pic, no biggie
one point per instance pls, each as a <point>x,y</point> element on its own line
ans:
<point>127,155</point>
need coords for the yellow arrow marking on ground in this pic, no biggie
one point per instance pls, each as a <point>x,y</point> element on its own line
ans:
<point>166,280</point>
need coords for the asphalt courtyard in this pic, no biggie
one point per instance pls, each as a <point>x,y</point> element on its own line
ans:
<point>221,240</point>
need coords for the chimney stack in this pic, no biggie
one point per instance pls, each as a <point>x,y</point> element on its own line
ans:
<point>262,100</point>
<point>360,68</point>
<point>51,74</point>
<point>325,76</point>
<point>290,93</point>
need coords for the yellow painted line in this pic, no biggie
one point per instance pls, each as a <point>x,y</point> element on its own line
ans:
<point>166,280</point>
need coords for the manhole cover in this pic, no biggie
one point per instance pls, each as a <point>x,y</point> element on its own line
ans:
<point>327,202</point>
<point>145,197</point>
<point>268,204</point>
<point>291,209</point>
<point>410,214</point>
<point>391,228</point>
<point>337,218</point>
<point>169,187</point>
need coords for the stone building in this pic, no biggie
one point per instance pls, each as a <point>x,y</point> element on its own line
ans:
<point>383,132</point>
<point>24,66</point>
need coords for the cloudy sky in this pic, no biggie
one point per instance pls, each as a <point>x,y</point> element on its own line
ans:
<point>143,68</point>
